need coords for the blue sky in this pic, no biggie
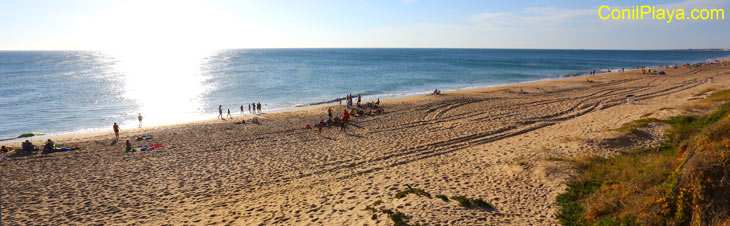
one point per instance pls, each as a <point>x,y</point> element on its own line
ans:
<point>215,24</point>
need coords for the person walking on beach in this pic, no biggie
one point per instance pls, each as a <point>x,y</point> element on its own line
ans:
<point>229,114</point>
<point>329,112</point>
<point>241,109</point>
<point>249,108</point>
<point>116,131</point>
<point>139,117</point>
<point>220,111</point>
<point>259,107</point>
<point>358,98</point>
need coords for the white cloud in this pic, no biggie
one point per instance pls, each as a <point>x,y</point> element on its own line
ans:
<point>553,27</point>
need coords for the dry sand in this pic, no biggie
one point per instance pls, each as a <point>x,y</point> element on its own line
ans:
<point>495,144</point>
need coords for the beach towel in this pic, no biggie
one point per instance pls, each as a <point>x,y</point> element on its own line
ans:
<point>149,147</point>
<point>147,137</point>
<point>3,158</point>
<point>57,149</point>
<point>129,150</point>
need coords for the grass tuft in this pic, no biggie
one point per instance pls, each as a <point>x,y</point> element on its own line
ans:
<point>463,201</point>
<point>410,190</point>
<point>472,203</point>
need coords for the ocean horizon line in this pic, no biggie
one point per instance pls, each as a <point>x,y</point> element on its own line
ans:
<point>425,48</point>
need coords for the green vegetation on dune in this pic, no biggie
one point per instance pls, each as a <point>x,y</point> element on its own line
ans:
<point>410,190</point>
<point>401,219</point>
<point>685,180</point>
<point>633,126</point>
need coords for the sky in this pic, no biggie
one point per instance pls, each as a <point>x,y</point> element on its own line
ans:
<point>222,24</point>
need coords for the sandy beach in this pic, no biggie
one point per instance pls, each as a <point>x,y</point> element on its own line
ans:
<point>496,144</point>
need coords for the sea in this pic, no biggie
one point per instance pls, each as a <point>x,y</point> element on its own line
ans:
<point>63,92</point>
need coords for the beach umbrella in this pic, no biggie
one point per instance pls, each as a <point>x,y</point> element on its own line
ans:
<point>30,134</point>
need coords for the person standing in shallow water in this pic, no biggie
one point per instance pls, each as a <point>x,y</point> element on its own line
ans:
<point>259,107</point>
<point>241,109</point>
<point>139,117</point>
<point>249,108</point>
<point>220,111</point>
<point>116,131</point>
<point>229,114</point>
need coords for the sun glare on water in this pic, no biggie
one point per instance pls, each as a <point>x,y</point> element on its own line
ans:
<point>159,50</point>
<point>166,85</point>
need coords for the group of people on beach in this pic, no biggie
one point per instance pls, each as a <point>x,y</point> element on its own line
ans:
<point>336,120</point>
<point>371,108</point>
<point>28,147</point>
<point>349,99</point>
<point>253,108</point>
<point>647,70</point>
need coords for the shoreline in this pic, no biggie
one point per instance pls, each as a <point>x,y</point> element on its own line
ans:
<point>101,132</point>
<point>89,133</point>
<point>92,132</point>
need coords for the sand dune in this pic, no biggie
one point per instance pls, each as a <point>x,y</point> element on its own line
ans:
<point>493,144</point>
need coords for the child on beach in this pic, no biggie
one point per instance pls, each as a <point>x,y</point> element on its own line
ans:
<point>320,125</point>
<point>127,146</point>
<point>342,125</point>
